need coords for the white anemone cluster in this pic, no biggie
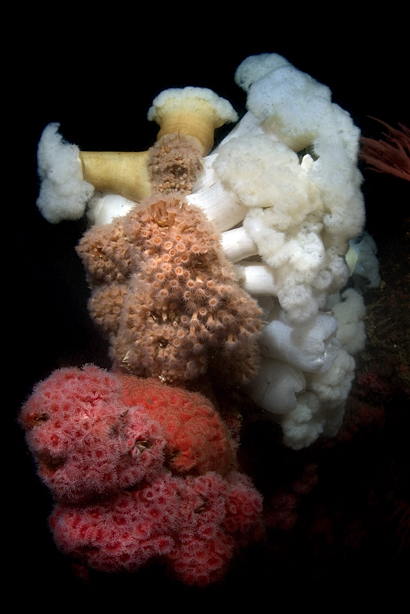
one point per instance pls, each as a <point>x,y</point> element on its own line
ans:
<point>284,190</point>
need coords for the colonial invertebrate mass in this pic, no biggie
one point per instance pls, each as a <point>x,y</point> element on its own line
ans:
<point>166,295</point>
<point>225,270</point>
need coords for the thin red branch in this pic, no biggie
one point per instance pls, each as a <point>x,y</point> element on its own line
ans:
<point>391,155</point>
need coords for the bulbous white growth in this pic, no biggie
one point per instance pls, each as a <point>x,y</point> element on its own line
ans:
<point>63,192</point>
<point>310,347</point>
<point>103,208</point>
<point>275,386</point>
<point>289,171</point>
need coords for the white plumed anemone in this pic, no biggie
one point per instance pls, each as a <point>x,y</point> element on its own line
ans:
<point>63,192</point>
<point>310,347</point>
<point>103,208</point>
<point>303,425</point>
<point>290,104</point>
<point>320,409</point>
<point>333,386</point>
<point>349,310</point>
<point>260,172</point>
<point>289,171</point>
<point>195,111</point>
<point>364,262</point>
<point>256,278</point>
<point>255,67</point>
<point>286,181</point>
<point>275,386</point>
<point>220,205</point>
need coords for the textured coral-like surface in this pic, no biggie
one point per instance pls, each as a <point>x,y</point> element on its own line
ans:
<point>174,163</point>
<point>93,432</point>
<point>116,451</point>
<point>195,525</point>
<point>197,438</point>
<point>85,441</point>
<point>166,297</point>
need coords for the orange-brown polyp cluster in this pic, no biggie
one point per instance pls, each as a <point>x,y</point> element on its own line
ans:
<point>174,163</point>
<point>165,295</point>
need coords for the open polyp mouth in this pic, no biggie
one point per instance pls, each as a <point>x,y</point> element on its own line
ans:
<point>32,419</point>
<point>49,462</point>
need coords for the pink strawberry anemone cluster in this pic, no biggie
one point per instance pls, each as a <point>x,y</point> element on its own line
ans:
<point>139,470</point>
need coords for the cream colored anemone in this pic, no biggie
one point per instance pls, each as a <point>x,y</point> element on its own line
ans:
<point>195,111</point>
<point>120,172</point>
<point>192,111</point>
